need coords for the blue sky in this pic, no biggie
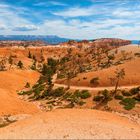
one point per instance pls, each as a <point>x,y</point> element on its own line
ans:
<point>77,19</point>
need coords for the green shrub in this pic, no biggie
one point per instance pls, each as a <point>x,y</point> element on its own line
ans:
<point>36,85</point>
<point>84,94</point>
<point>73,99</point>
<point>118,97</point>
<point>137,97</point>
<point>21,93</point>
<point>37,91</point>
<point>77,93</point>
<point>59,92</point>
<point>47,93</point>
<point>81,103</point>
<point>25,92</point>
<point>128,103</point>
<point>95,81</point>
<point>103,97</point>
<point>27,85</point>
<point>107,96</point>
<point>20,64</point>
<point>97,98</point>
<point>134,91</point>
<point>29,92</point>
<point>40,87</point>
<point>67,95</point>
<point>126,93</point>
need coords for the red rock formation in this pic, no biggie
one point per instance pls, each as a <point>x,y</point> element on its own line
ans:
<point>103,42</point>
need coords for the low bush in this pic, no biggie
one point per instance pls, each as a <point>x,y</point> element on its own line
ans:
<point>134,91</point>
<point>73,99</point>
<point>129,103</point>
<point>137,97</point>
<point>47,93</point>
<point>118,97</point>
<point>67,95</point>
<point>58,92</point>
<point>107,96</point>
<point>94,81</point>
<point>81,103</point>
<point>27,85</point>
<point>103,96</point>
<point>20,64</point>
<point>25,92</point>
<point>84,94</point>
<point>126,93</point>
<point>97,98</point>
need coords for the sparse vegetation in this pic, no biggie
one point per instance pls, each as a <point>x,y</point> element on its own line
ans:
<point>20,64</point>
<point>118,97</point>
<point>95,81</point>
<point>134,91</point>
<point>29,55</point>
<point>128,103</point>
<point>119,74</point>
<point>3,64</point>
<point>10,60</point>
<point>102,98</point>
<point>27,85</point>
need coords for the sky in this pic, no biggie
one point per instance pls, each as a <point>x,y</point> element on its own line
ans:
<point>75,19</point>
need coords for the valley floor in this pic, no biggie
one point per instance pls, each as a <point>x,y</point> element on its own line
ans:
<point>85,123</point>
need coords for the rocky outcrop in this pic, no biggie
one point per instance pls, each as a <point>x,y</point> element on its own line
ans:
<point>111,42</point>
<point>22,43</point>
<point>103,42</point>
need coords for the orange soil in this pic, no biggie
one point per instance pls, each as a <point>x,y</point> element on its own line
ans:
<point>10,82</point>
<point>68,123</point>
<point>132,73</point>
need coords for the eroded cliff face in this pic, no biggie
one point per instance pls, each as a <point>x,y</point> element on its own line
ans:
<point>103,42</point>
<point>111,42</point>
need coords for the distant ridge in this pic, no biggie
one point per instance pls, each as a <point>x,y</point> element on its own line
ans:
<point>50,39</point>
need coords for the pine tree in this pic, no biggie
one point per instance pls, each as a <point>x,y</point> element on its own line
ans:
<point>20,64</point>
<point>29,55</point>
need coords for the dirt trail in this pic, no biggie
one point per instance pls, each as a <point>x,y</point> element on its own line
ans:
<point>56,85</point>
<point>92,89</point>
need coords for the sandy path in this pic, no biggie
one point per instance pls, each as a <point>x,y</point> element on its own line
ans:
<point>72,124</point>
<point>92,89</point>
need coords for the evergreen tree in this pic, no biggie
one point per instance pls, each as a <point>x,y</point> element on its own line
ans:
<point>29,55</point>
<point>20,64</point>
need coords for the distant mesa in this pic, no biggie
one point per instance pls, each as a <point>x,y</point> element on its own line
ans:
<point>103,42</point>
<point>40,40</point>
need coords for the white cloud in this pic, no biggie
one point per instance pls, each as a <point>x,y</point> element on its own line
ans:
<point>75,12</point>
<point>48,3</point>
<point>26,28</point>
<point>110,23</point>
<point>3,27</point>
<point>91,30</point>
<point>10,20</point>
<point>57,3</point>
<point>4,6</point>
